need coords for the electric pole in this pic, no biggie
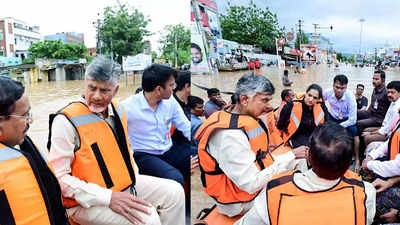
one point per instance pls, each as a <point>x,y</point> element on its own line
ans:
<point>301,36</point>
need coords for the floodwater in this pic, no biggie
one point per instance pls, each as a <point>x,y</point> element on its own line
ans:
<point>49,97</point>
<point>320,74</point>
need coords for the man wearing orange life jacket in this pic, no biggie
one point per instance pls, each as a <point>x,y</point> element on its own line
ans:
<point>327,194</point>
<point>235,163</point>
<point>29,191</point>
<point>299,118</point>
<point>90,152</point>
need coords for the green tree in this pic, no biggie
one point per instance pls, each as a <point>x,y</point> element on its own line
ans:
<point>153,55</point>
<point>351,59</point>
<point>341,57</point>
<point>304,40</point>
<point>251,25</point>
<point>175,43</point>
<point>122,31</point>
<point>56,50</point>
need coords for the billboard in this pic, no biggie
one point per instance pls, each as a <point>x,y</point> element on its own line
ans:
<point>309,53</point>
<point>136,63</point>
<point>213,20</point>
<point>198,57</point>
<point>209,3</point>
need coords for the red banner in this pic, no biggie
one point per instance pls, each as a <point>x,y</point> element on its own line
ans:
<point>209,3</point>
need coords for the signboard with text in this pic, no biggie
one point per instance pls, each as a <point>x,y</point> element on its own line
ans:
<point>309,52</point>
<point>136,63</point>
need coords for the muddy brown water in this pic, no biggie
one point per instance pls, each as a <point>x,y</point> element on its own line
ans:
<point>48,97</point>
<point>320,74</point>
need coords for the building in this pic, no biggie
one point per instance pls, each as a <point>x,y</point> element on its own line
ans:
<point>92,52</point>
<point>66,37</point>
<point>147,48</point>
<point>16,37</point>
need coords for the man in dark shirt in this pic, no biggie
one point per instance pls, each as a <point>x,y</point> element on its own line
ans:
<point>373,117</point>
<point>362,101</point>
<point>181,95</point>
<point>215,102</point>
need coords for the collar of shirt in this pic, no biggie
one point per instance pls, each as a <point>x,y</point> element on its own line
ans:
<point>343,98</point>
<point>181,103</point>
<point>379,90</point>
<point>143,102</point>
<point>310,181</point>
<point>397,104</point>
<point>109,108</point>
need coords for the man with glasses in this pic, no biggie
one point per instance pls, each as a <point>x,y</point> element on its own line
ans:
<point>342,108</point>
<point>362,101</point>
<point>150,114</point>
<point>29,191</point>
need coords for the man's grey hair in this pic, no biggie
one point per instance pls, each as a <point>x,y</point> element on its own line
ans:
<point>251,84</point>
<point>103,69</point>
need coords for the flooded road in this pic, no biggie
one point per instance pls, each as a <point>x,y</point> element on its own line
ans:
<point>48,97</point>
<point>320,74</point>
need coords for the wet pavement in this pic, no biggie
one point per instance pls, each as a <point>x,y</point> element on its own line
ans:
<point>320,74</point>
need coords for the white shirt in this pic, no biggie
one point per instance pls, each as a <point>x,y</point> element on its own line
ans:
<point>345,107</point>
<point>391,118</point>
<point>388,168</point>
<point>231,149</point>
<point>309,181</point>
<point>143,121</point>
<point>64,139</point>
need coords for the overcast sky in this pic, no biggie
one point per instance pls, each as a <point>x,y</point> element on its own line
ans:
<point>78,15</point>
<point>381,24</point>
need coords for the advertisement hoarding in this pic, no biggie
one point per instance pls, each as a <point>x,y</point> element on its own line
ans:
<point>198,62</point>
<point>309,52</point>
<point>136,63</point>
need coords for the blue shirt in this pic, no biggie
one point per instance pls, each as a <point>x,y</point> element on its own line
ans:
<point>195,124</point>
<point>210,108</point>
<point>148,129</point>
<point>343,108</point>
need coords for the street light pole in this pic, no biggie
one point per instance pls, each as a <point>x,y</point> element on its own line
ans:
<point>361,22</point>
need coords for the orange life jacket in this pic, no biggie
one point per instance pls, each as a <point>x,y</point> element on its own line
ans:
<point>295,118</point>
<point>103,157</point>
<point>342,204</point>
<point>214,217</point>
<point>394,141</point>
<point>22,199</point>
<point>274,134</point>
<point>215,183</point>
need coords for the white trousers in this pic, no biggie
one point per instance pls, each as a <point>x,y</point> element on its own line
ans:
<point>166,197</point>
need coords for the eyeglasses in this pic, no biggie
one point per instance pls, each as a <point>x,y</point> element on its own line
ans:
<point>28,118</point>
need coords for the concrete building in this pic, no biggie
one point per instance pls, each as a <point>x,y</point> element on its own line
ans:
<point>66,37</point>
<point>147,48</point>
<point>16,37</point>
